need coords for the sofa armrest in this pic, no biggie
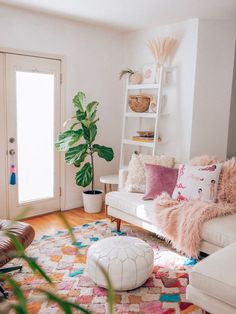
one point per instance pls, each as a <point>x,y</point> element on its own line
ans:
<point>123,173</point>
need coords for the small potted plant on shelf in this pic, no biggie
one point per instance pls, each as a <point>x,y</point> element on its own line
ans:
<point>134,76</point>
<point>84,129</point>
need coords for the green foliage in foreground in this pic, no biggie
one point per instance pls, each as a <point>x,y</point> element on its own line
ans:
<point>20,305</point>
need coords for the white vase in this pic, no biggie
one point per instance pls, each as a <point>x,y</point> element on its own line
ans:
<point>93,201</point>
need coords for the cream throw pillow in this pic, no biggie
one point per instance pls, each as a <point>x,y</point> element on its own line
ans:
<point>136,179</point>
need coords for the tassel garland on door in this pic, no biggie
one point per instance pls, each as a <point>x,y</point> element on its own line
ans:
<point>13,171</point>
<point>13,168</point>
<point>13,175</point>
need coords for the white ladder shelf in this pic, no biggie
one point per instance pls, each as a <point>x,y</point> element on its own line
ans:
<point>155,115</point>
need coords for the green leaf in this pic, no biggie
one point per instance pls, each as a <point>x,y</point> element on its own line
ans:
<point>111,295</point>
<point>81,116</point>
<point>79,101</point>
<point>126,71</point>
<point>92,109</point>
<point>67,225</point>
<point>68,138</point>
<point>86,133</point>
<point>18,309</point>
<point>31,261</point>
<point>36,268</point>
<point>66,306</point>
<point>84,176</point>
<point>90,133</point>
<point>23,213</point>
<point>104,152</point>
<point>93,132</point>
<point>74,125</point>
<point>76,154</point>
<point>22,302</point>
<point>17,244</point>
<point>77,163</point>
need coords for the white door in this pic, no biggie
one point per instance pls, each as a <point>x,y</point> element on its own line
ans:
<point>33,122</point>
<point>3,172</point>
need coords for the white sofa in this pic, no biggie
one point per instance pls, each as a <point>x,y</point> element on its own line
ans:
<point>130,207</point>
<point>213,280</point>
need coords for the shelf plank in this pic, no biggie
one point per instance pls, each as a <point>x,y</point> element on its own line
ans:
<point>140,115</point>
<point>142,86</point>
<point>151,115</point>
<point>144,144</point>
<point>137,143</point>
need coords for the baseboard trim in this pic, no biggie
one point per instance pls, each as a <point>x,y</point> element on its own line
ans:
<point>73,206</point>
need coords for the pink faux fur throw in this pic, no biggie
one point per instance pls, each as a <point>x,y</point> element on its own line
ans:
<point>181,223</point>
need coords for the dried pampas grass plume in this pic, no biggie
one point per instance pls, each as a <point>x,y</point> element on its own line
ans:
<point>161,48</point>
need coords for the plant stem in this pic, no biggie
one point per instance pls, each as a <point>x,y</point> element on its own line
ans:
<point>92,163</point>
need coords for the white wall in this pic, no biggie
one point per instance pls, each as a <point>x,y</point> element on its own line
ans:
<point>93,59</point>
<point>231,149</point>
<point>180,94</point>
<point>200,97</point>
<point>215,62</point>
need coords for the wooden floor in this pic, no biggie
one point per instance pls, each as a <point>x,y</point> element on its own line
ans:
<point>50,223</point>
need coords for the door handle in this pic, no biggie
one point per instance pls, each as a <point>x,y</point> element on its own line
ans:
<point>12,152</point>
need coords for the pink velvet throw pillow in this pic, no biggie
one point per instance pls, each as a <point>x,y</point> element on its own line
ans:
<point>159,179</point>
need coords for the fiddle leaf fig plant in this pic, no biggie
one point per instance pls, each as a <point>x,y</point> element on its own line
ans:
<point>78,141</point>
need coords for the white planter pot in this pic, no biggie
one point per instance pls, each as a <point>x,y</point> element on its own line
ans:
<point>92,202</point>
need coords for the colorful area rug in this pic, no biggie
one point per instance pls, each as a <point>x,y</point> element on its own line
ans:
<point>163,293</point>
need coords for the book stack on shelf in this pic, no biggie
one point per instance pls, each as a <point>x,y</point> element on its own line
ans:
<point>144,136</point>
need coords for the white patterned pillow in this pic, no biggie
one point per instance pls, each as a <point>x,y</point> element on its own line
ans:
<point>136,179</point>
<point>197,182</point>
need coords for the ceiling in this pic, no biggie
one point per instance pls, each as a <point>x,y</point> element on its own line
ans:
<point>131,14</point>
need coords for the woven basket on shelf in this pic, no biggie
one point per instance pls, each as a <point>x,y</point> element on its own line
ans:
<point>139,103</point>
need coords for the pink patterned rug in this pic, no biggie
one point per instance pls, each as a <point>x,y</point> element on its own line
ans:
<point>163,293</point>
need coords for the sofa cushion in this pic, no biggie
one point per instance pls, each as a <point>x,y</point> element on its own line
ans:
<point>216,275</point>
<point>197,182</point>
<point>131,203</point>
<point>220,231</point>
<point>159,179</point>
<point>136,180</point>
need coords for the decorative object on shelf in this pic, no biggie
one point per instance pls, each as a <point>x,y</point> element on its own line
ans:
<point>146,133</point>
<point>139,103</point>
<point>153,104</point>
<point>147,139</point>
<point>153,107</point>
<point>161,49</point>
<point>134,76</point>
<point>84,127</point>
<point>149,73</point>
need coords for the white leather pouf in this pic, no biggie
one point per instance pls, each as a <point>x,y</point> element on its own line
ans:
<point>127,260</point>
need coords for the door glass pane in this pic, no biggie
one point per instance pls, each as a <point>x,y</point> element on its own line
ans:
<point>35,135</point>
